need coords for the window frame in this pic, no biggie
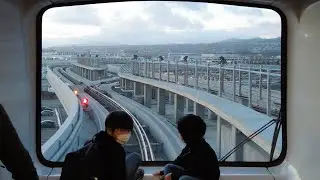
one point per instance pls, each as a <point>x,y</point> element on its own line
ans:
<point>283,18</point>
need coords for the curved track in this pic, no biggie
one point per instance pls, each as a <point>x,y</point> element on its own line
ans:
<point>111,105</point>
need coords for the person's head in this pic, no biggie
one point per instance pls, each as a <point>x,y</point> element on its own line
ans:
<point>191,128</point>
<point>119,125</point>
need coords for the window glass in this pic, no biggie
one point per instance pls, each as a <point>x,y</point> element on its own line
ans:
<point>159,61</point>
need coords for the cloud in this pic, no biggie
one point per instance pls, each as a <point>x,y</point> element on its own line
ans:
<point>84,15</point>
<point>156,23</point>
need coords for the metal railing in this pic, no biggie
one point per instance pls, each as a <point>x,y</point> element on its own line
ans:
<point>252,86</point>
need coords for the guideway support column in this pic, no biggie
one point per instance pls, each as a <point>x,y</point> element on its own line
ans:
<point>171,97</point>
<point>161,103</point>
<point>127,84</point>
<point>211,115</point>
<point>138,95</point>
<point>147,95</point>
<point>178,107</point>
<point>229,138</point>
<point>137,88</point>
<point>199,110</point>
<point>219,137</point>
<point>190,104</point>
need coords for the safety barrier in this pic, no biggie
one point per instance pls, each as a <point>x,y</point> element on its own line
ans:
<point>57,145</point>
<point>243,118</point>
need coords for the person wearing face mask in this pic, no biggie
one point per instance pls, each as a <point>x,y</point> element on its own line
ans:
<point>105,157</point>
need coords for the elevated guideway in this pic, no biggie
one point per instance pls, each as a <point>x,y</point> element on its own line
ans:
<point>159,127</point>
<point>87,81</point>
<point>66,136</point>
<point>240,117</point>
<point>254,86</point>
<point>165,140</point>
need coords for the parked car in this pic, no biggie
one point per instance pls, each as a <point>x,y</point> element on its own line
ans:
<point>45,108</point>
<point>47,113</point>
<point>48,124</point>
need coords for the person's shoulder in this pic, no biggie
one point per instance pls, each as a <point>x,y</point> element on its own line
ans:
<point>113,148</point>
<point>208,149</point>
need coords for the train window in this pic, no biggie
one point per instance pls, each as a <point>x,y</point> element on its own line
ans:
<point>159,61</point>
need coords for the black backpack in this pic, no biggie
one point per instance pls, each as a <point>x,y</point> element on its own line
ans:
<point>75,164</point>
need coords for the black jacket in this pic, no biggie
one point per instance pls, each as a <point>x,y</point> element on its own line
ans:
<point>106,158</point>
<point>12,152</point>
<point>198,160</point>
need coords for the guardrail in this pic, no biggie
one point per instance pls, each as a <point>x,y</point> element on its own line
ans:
<point>256,86</point>
<point>143,140</point>
<point>70,77</point>
<point>55,148</point>
<point>223,108</point>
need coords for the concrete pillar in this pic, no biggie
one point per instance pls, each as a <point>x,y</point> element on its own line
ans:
<point>219,137</point>
<point>268,93</point>
<point>132,67</point>
<point>240,152</point>
<point>139,66</point>
<point>153,93</point>
<point>211,115</point>
<point>88,73</point>
<point>190,105</point>
<point>221,80</point>
<point>121,83</point>
<point>137,88</point>
<point>239,93</point>
<point>208,78</point>
<point>250,88</point>
<point>161,102</point>
<point>160,71</point>
<point>196,79</point>
<point>186,71</point>
<point>126,84</point>
<point>199,110</point>
<point>233,137</point>
<point>145,67</point>
<point>152,70</point>
<point>234,82</point>
<point>176,74</point>
<point>147,95</point>
<point>171,97</point>
<point>260,83</point>
<point>178,107</point>
<point>168,74</point>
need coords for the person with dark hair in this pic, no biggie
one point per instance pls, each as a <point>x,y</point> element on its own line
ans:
<point>197,161</point>
<point>13,155</point>
<point>105,157</point>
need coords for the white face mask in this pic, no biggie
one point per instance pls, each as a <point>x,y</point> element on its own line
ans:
<point>123,138</point>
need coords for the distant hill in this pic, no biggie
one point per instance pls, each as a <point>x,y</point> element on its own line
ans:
<point>267,47</point>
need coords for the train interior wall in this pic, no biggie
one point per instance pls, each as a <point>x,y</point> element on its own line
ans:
<point>18,83</point>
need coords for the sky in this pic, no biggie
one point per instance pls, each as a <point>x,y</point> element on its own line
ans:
<point>155,22</point>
